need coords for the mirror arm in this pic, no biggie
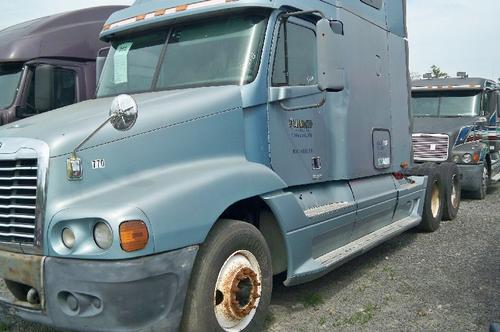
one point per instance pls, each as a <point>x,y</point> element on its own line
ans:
<point>73,154</point>
<point>300,108</point>
<point>287,63</point>
<point>111,117</point>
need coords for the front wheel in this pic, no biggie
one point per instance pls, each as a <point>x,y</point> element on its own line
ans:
<point>231,282</point>
<point>483,186</point>
<point>452,190</point>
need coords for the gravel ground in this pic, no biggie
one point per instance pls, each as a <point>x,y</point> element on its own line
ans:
<point>445,281</point>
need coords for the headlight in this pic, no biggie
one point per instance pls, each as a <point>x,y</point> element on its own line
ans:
<point>103,235</point>
<point>456,159</point>
<point>467,158</point>
<point>68,238</point>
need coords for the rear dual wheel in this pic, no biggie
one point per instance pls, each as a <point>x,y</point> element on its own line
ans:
<point>434,196</point>
<point>231,282</point>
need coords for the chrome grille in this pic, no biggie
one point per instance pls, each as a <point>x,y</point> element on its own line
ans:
<point>18,192</point>
<point>430,147</point>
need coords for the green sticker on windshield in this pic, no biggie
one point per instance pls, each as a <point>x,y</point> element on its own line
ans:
<point>121,59</point>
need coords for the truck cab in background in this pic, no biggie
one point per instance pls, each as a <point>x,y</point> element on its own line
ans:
<point>50,62</point>
<point>458,120</point>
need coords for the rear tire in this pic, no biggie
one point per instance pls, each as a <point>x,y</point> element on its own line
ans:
<point>434,194</point>
<point>232,274</point>
<point>452,190</point>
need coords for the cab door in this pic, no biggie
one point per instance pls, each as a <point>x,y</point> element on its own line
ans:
<point>297,131</point>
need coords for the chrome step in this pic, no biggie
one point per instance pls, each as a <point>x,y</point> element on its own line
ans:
<point>495,169</point>
<point>367,242</point>
<point>496,178</point>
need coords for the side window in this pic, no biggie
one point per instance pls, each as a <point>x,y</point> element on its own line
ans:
<point>295,58</point>
<point>64,87</point>
<point>60,93</point>
<point>489,102</point>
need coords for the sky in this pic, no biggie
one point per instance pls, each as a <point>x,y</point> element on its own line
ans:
<point>456,35</point>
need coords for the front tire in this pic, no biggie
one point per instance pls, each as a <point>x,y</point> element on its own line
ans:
<point>231,281</point>
<point>452,190</point>
<point>480,194</point>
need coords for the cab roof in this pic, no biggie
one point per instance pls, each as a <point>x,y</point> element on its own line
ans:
<point>72,34</point>
<point>143,14</point>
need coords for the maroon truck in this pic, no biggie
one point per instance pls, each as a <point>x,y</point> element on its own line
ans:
<point>50,62</point>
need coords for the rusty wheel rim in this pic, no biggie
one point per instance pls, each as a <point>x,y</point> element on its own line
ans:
<point>237,291</point>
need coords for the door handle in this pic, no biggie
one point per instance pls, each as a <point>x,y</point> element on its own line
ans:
<point>299,108</point>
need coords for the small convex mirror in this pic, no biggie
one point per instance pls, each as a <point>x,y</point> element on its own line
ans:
<point>123,113</point>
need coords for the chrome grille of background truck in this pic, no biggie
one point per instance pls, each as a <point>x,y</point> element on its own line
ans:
<point>18,192</point>
<point>430,147</point>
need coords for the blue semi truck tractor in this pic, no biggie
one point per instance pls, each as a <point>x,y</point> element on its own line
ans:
<point>230,141</point>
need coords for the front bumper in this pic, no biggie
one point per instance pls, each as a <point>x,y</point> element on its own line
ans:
<point>143,294</point>
<point>471,176</point>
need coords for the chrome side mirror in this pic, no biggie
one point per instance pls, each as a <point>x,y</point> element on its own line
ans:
<point>481,121</point>
<point>123,113</point>
<point>330,48</point>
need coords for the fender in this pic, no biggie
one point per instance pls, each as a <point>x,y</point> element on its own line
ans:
<point>181,203</point>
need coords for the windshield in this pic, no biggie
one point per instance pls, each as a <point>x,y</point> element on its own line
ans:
<point>221,51</point>
<point>10,74</point>
<point>446,104</point>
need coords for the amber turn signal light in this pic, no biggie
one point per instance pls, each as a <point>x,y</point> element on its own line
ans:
<point>476,157</point>
<point>134,235</point>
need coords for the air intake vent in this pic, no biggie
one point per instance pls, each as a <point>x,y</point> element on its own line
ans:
<point>430,147</point>
<point>18,186</point>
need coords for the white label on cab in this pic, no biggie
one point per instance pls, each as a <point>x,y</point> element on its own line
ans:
<point>98,163</point>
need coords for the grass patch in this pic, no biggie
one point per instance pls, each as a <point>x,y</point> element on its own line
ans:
<point>4,326</point>
<point>364,316</point>
<point>390,272</point>
<point>312,300</point>
<point>362,288</point>
<point>270,319</point>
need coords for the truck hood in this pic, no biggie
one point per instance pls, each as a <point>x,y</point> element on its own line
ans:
<point>449,126</point>
<point>65,128</point>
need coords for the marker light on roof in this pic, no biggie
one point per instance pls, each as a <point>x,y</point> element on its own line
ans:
<point>164,12</point>
<point>447,87</point>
